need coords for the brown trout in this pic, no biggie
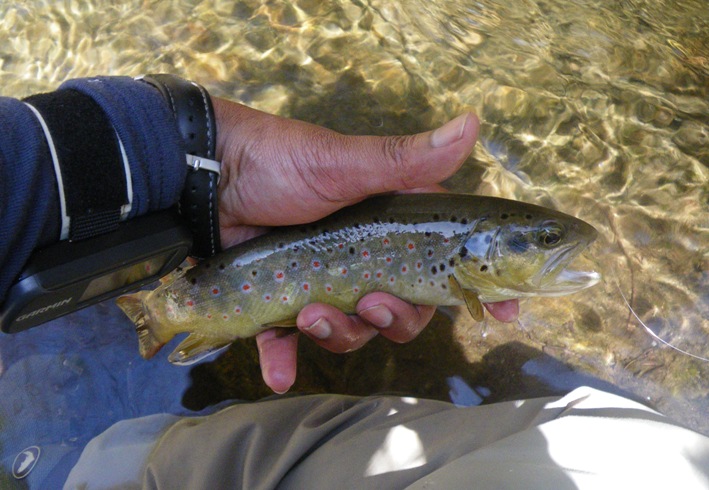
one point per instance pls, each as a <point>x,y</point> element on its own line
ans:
<point>432,249</point>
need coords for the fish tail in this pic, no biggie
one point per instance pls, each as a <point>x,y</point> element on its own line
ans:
<point>134,307</point>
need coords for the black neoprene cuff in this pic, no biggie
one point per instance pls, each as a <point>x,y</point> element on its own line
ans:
<point>88,162</point>
<point>193,111</point>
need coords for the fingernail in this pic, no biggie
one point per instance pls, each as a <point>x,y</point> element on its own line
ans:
<point>380,316</point>
<point>450,132</point>
<point>321,329</point>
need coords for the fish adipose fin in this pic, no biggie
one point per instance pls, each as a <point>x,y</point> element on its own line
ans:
<point>475,307</point>
<point>196,347</point>
<point>132,306</point>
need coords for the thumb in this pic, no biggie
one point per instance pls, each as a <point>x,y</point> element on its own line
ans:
<point>375,164</point>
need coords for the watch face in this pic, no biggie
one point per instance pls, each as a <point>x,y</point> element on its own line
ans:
<point>69,276</point>
<point>120,278</point>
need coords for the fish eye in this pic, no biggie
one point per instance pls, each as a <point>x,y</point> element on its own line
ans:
<point>550,234</point>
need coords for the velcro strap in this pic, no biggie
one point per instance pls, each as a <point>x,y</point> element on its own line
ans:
<point>91,173</point>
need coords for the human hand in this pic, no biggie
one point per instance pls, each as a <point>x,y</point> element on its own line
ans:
<point>277,171</point>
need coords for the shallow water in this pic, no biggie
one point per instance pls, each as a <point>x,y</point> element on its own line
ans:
<point>599,111</point>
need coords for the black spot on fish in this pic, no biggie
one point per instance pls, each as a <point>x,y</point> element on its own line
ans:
<point>329,250</point>
<point>206,265</point>
<point>442,267</point>
<point>434,270</point>
<point>436,217</point>
<point>254,273</point>
<point>352,250</point>
<point>451,262</point>
<point>504,216</point>
<point>193,281</point>
<point>464,221</point>
<point>498,272</point>
<point>281,245</point>
<point>483,268</point>
<point>222,267</point>
<point>463,252</point>
<point>528,216</point>
<point>392,220</point>
<point>453,219</point>
<point>294,265</point>
<point>444,286</point>
<point>428,233</point>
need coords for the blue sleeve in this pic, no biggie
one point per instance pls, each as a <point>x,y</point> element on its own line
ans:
<point>29,206</point>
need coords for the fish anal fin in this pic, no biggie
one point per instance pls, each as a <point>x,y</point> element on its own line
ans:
<point>470,297</point>
<point>196,347</point>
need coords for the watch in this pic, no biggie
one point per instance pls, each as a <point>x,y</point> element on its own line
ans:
<point>192,108</point>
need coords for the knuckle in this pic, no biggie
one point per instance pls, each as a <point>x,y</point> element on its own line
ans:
<point>397,150</point>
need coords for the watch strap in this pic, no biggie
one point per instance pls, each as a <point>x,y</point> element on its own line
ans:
<point>192,108</point>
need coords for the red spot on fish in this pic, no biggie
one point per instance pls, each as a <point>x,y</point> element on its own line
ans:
<point>209,316</point>
<point>215,291</point>
<point>388,259</point>
<point>365,254</point>
<point>343,271</point>
<point>404,269</point>
<point>366,275</point>
<point>355,289</point>
<point>410,246</point>
<point>279,276</point>
<point>317,265</point>
<point>328,288</point>
<point>306,286</point>
<point>225,317</point>
<point>284,299</point>
<point>237,310</point>
<point>420,280</point>
<point>430,252</point>
<point>446,240</point>
<point>190,303</point>
<point>392,279</point>
<point>386,242</point>
<point>431,283</point>
<point>419,266</point>
<point>267,297</point>
<point>340,245</point>
<point>379,274</point>
<point>246,287</point>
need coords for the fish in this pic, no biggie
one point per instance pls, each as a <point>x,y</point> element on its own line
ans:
<point>428,249</point>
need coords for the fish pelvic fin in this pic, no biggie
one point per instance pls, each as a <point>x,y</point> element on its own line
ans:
<point>475,307</point>
<point>196,347</point>
<point>134,307</point>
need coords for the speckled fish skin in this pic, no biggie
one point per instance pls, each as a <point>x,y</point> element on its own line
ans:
<point>433,249</point>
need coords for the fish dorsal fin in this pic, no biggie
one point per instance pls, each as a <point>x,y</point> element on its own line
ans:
<point>475,307</point>
<point>196,347</point>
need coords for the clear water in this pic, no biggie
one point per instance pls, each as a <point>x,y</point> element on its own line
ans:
<point>599,109</point>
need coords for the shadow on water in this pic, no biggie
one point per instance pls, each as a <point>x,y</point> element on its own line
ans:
<point>435,365</point>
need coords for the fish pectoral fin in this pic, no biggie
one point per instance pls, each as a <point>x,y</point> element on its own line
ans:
<point>475,307</point>
<point>196,347</point>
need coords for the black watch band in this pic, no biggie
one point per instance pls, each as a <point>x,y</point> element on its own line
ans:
<point>193,111</point>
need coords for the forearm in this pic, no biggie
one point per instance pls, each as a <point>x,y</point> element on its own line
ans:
<point>29,205</point>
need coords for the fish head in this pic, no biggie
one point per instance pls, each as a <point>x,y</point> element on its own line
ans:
<point>520,250</point>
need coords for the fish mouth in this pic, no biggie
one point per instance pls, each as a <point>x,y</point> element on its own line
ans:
<point>554,279</point>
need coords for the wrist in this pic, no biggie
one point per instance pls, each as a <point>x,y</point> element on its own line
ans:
<point>193,112</point>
